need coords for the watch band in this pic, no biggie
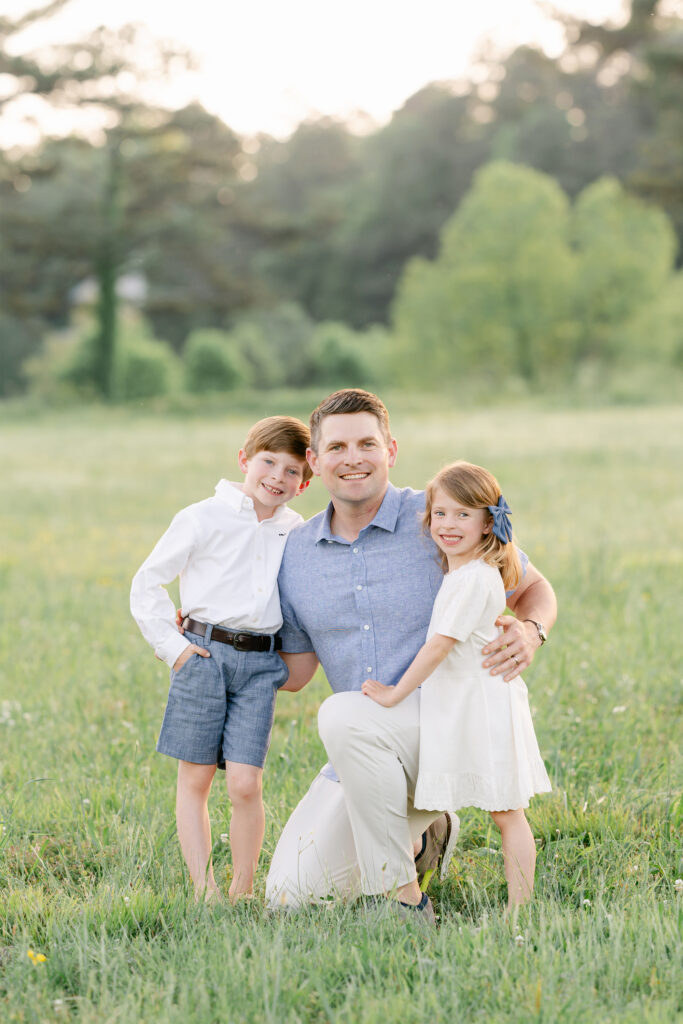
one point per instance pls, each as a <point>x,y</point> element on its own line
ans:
<point>540,629</point>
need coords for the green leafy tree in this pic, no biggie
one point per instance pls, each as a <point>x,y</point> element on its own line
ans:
<point>105,74</point>
<point>626,250</point>
<point>497,299</point>
<point>525,286</point>
<point>646,53</point>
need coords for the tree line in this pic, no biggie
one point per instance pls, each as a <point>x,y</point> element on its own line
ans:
<point>526,221</point>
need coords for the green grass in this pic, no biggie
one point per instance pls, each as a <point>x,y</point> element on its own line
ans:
<point>90,872</point>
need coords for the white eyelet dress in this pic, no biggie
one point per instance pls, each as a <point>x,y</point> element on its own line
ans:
<point>478,747</point>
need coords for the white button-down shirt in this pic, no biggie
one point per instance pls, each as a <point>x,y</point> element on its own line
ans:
<point>228,563</point>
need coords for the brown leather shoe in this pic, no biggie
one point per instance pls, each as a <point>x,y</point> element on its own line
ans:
<point>423,912</point>
<point>438,845</point>
<point>384,908</point>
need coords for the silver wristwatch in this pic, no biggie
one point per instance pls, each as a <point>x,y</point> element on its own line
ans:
<point>540,629</point>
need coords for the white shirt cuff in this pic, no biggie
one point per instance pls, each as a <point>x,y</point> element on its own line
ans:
<point>171,649</point>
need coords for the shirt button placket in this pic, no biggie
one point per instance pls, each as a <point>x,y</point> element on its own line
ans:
<point>364,610</point>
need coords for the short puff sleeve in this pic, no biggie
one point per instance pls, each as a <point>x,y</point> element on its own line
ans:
<point>462,602</point>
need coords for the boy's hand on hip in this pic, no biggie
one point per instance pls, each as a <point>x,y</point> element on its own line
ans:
<point>187,654</point>
<point>381,694</point>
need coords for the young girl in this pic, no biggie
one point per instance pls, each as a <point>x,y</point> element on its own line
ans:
<point>477,742</point>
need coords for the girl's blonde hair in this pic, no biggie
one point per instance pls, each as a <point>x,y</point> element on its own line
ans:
<point>474,487</point>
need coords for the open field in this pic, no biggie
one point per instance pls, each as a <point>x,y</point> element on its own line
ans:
<point>90,871</point>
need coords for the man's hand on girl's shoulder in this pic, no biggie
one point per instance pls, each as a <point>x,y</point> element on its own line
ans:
<point>512,651</point>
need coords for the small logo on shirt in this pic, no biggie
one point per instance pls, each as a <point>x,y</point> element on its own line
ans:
<point>282,534</point>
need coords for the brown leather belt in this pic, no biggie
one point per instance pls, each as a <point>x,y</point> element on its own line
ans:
<point>240,641</point>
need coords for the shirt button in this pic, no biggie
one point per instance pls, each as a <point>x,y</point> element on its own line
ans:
<point>355,551</point>
<point>359,587</point>
<point>369,668</point>
<point>366,627</point>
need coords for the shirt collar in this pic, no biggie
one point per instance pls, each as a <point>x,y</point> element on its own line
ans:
<point>385,518</point>
<point>230,492</point>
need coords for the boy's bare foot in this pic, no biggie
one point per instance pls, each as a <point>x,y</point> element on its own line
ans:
<point>240,894</point>
<point>241,897</point>
<point>211,896</point>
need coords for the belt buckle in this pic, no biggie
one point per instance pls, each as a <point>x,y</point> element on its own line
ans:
<point>240,641</point>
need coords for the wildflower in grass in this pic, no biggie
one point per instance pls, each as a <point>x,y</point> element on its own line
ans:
<point>224,837</point>
<point>619,709</point>
<point>58,1005</point>
<point>126,900</point>
<point>85,802</point>
<point>586,903</point>
<point>519,939</point>
<point>678,885</point>
<point>36,958</point>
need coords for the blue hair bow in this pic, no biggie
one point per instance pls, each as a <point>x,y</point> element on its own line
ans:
<point>502,526</point>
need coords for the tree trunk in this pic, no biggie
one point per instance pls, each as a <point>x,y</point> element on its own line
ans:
<point>106,271</point>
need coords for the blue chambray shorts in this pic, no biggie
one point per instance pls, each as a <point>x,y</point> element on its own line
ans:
<point>221,708</point>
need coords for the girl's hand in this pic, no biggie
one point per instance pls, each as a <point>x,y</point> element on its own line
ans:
<point>381,694</point>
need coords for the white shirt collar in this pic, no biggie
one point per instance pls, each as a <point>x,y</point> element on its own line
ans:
<point>231,493</point>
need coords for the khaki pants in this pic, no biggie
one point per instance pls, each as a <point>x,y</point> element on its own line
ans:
<point>357,837</point>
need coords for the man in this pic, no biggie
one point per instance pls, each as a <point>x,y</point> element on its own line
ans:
<point>357,585</point>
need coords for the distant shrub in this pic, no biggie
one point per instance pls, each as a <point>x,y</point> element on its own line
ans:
<point>276,344</point>
<point>340,357</point>
<point>57,374</point>
<point>212,362</point>
<point>144,368</point>
<point>19,339</point>
<point>65,370</point>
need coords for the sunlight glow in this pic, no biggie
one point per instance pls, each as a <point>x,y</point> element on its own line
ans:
<point>267,65</point>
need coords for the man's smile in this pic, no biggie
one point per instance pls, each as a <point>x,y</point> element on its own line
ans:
<point>354,476</point>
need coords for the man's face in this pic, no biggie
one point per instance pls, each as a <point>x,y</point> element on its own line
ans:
<point>353,459</point>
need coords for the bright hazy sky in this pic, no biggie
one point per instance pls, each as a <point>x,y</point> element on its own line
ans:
<point>267,64</point>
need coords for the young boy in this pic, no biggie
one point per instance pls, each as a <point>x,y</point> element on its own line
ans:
<point>225,668</point>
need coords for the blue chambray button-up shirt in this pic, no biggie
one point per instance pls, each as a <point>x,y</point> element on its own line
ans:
<point>363,606</point>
